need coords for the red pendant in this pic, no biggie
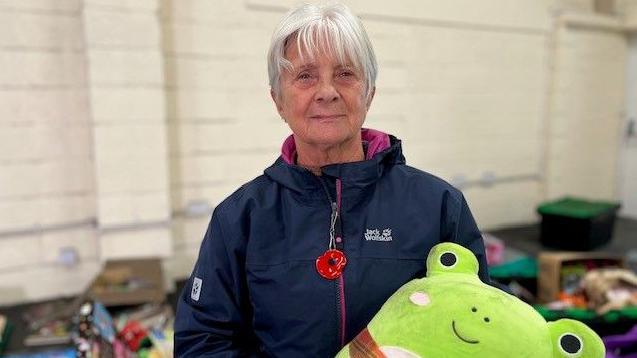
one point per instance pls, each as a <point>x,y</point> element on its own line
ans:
<point>330,265</point>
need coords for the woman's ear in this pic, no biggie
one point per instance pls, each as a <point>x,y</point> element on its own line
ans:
<point>371,97</point>
<point>275,99</point>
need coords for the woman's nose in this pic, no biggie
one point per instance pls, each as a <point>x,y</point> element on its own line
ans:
<point>326,92</point>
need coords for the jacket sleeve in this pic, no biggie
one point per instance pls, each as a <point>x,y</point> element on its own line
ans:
<point>461,228</point>
<point>213,311</point>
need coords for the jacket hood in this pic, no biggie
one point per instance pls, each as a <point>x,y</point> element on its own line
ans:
<point>382,152</point>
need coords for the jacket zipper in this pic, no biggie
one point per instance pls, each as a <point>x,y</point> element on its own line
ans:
<point>340,283</point>
<point>339,244</point>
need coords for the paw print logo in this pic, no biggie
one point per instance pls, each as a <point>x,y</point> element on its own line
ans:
<point>196,289</point>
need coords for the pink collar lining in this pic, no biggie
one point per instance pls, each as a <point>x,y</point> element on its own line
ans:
<point>377,142</point>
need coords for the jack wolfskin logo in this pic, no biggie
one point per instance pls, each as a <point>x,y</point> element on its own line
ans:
<point>196,289</point>
<point>376,235</point>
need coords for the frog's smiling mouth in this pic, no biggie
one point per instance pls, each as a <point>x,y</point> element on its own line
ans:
<point>453,325</point>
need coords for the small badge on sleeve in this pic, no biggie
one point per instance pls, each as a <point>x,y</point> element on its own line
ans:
<point>196,289</point>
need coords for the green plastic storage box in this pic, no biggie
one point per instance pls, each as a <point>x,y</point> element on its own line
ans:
<point>577,224</point>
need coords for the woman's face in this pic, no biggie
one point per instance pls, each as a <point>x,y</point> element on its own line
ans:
<point>322,100</point>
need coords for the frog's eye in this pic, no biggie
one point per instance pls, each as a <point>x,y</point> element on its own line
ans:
<point>570,344</point>
<point>448,259</point>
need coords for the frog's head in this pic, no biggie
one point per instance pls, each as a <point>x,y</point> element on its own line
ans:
<point>451,313</point>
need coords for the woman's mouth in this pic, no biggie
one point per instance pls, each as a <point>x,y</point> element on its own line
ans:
<point>327,117</point>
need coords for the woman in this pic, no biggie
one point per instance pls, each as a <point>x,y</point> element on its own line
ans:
<point>296,262</point>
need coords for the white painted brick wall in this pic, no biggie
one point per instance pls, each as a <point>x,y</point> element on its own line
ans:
<point>217,39</point>
<point>187,233</point>
<point>146,242</point>
<point>59,176</point>
<point>125,104</point>
<point>194,194</point>
<point>221,13</point>
<point>514,201</point>
<point>587,114</point>
<point>43,281</point>
<point>46,175</point>
<point>629,11</point>
<point>238,167</point>
<point>12,138</point>
<point>18,213</point>
<point>517,13</point>
<point>231,74</point>
<point>204,137</point>
<point>66,208</point>
<point>139,207</point>
<point>119,174</point>
<point>19,251</point>
<point>577,5</point>
<point>114,28</point>
<point>118,140</point>
<point>54,6</point>
<point>53,107</point>
<point>190,230</point>
<point>40,30</point>
<point>61,69</point>
<point>75,64</point>
<point>223,128</point>
<point>144,6</point>
<point>472,103</point>
<point>128,111</point>
<point>121,67</point>
<point>67,141</point>
<point>18,179</point>
<point>81,239</point>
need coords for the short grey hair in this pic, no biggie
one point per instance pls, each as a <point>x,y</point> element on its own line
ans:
<point>333,25</point>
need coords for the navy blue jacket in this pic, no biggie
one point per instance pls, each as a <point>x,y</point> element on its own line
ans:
<point>255,290</point>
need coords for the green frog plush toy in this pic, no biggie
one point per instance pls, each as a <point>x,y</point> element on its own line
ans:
<point>452,314</point>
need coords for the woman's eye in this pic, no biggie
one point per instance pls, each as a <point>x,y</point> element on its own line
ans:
<point>304,76</point>
<point>346,74</point>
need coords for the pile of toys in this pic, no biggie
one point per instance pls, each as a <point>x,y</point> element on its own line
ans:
<point>93,332</point>
<point>142,332</point>
<point>121,314</point>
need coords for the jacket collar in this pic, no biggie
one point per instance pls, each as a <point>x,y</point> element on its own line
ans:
<point>377,141</point>
<point>383,151</point>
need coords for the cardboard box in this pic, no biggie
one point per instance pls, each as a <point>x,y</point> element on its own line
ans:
<point>129,282</point>
<point>560,271</point>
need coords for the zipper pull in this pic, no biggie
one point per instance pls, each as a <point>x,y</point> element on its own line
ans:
<point>330,265</point>
<point>333,219</point>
